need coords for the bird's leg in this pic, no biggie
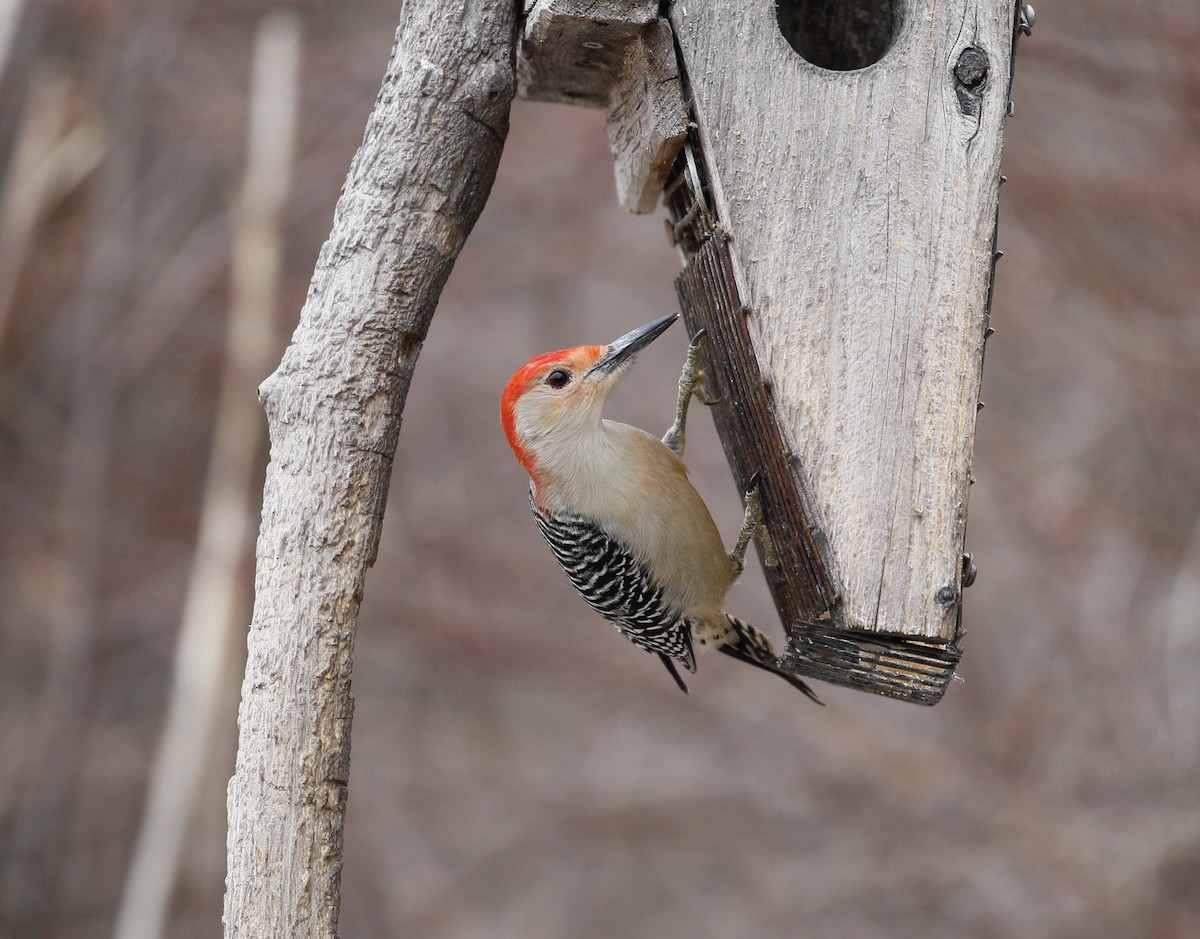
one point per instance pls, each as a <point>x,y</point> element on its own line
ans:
<point>752,524</point>
<point>691,381</point>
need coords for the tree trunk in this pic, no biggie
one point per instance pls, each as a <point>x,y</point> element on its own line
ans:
<point>414,191</point>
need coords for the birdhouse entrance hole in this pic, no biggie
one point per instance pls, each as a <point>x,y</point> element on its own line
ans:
<point>839,34</point>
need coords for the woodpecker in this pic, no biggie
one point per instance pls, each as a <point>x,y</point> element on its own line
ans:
<point>619,513</point>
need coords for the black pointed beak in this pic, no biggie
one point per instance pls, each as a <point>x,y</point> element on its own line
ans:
<point>625,348</point>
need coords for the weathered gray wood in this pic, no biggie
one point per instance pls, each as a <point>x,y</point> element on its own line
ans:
<point>746,421</point>
<point>415,188</point>
<point>861,205</point>
<point>804,593</point>
<point>573,51</point>
<point>647,119</point>
<point>615,54</point>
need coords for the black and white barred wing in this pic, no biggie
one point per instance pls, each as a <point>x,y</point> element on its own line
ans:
<point>617,586</point>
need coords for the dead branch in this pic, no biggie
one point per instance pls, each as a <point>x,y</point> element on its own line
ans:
<point>415,189</point>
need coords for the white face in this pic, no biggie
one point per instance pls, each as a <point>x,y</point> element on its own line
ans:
<point>558,395</point>
<point>562,397</point>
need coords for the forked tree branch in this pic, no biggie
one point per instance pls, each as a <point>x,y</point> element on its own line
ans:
<point>414,191</point>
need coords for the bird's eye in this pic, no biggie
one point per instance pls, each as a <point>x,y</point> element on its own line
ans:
<point>558,378</point>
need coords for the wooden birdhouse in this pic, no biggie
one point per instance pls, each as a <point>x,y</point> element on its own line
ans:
<point>831,174</point>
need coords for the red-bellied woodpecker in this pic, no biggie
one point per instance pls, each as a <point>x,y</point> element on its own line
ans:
<point>617,509</point>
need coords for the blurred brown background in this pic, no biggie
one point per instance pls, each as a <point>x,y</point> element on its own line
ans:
<point>519,769</point>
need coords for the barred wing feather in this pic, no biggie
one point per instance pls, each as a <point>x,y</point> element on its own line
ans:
<point>617,586</point>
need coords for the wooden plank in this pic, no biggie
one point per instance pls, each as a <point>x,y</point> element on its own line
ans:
<point>893,666</point>
<point>802,586</point>
<point>647,119</point>
<point>745,419</point>
<point>573,51</point>
<point>862,206</point>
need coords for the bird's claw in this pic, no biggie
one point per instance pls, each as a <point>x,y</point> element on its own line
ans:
<point>752,525</point>
<point>698,379</point>
<point>701,395</point>
<point>691,385</point>
<point>754,499</point>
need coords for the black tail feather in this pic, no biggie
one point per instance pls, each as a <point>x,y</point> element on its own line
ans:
<point>754,648</point>
<point>793,680</point>
<point>670,664</point>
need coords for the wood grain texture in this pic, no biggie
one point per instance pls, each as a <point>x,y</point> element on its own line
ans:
<point>573,51</point>
<point>415,189</point>
<point>802,585</point>
<point>862,206</point>
<point>647,119</point>
<point>746,422</point>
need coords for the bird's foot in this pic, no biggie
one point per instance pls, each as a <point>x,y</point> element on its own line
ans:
<point>753,525</point>
<point>691,385</point>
